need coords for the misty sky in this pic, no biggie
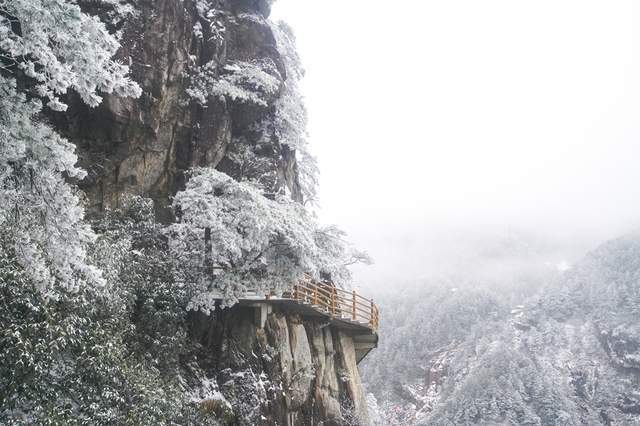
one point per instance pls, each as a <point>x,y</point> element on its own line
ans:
<point>446,117</point>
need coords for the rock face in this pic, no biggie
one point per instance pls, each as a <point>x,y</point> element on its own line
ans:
<point>144,146</point>
<point>292,371</point>
<point>304,371</point>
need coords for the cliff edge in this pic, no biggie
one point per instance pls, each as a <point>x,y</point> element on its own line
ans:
<point>215,77</point>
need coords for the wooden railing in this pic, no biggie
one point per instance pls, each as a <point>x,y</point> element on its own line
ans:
<point>336,302</point>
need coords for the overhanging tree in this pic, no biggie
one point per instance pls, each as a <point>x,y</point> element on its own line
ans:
<point>48,47</point>
<point>230,238</point>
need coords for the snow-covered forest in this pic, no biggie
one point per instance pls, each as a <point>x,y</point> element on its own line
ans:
<point>510,337</point>
<point>165,253</point>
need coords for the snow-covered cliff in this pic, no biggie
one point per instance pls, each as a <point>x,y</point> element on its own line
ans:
<point>218,81</point>
<point>219,89</point>
<point>108,338</point>
<point>294,370</point>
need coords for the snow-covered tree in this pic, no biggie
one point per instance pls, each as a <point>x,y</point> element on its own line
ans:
<point>246,82</point>
<point>251,164</point>
<point>230,238</point>
<point>58,47</point>
<point>49,47</point>
<point>41,214</point>
<point>289,125</point>
<point>80,359</point>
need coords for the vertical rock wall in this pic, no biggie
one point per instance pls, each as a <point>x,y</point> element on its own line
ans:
<point>144,146</point>
<point>292,371</point>
<point>305,370</point>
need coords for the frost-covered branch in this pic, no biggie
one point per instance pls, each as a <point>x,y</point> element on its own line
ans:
<point>60,48</point>
<point>289,125</point>
<point>49,46</point>
<point>245,82</point>
<point>231,239</point>
<point>41,213</point>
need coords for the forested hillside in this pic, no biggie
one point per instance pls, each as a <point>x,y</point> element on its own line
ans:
<point>545,347</point>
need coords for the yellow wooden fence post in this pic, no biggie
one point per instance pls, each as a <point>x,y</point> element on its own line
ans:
<point>354,305</point>
<point>333,301</point>
<point>372,322</point>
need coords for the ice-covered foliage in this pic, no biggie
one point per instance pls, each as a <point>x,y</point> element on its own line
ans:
<point>376,416</point>
<point>211,19</point>
<point>283,120</point>
<point>610,276</point>
<point>108,355</point>
<point>122,350</point>
<point>247,82</point>
<point>291,115</point>
<point>132,250</point>
<point>67,362</point>
<point>232,239</point>
<point>41,212</point>
<point>252,165</point>
<point>250,391</point>
<point>289,125</point>
<point>59,47</point>
<point>569,355</point>
<point>116,9</point>
<point>49,46</point>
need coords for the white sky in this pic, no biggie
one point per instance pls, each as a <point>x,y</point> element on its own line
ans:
<point>431,116</point>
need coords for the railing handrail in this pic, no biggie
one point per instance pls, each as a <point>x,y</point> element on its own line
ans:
<point>336,301</point>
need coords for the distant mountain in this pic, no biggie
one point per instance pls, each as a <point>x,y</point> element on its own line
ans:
<point>568,356</point>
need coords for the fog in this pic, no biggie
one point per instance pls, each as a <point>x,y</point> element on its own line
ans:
<point>441,126</point>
